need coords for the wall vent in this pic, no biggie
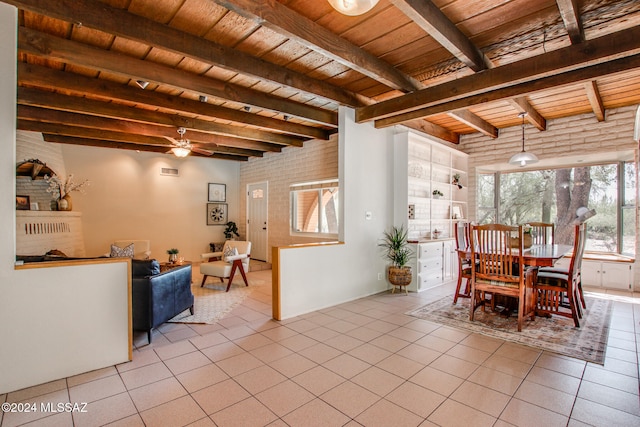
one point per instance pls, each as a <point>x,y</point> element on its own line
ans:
<point>169,172</point>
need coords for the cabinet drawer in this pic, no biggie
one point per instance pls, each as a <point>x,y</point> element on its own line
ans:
<point>430,265</point>
<point>429,280</point>
<point>433,250</point>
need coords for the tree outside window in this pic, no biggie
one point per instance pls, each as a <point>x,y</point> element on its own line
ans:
<point>554,195</point>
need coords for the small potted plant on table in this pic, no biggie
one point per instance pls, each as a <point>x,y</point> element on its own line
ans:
<point>173,254</point>
<point>397,250</point>
<point>437,194</point>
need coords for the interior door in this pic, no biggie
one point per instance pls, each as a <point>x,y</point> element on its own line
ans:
<point>257,218</point>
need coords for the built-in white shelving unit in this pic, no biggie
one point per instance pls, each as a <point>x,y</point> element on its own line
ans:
<point>423,166</point>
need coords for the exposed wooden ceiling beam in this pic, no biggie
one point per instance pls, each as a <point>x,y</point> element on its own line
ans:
<point>279,18</point>
<point>622,43</point>
<point>132,146</point>
<point>570,77</point>
<point>58,129</point>
<point>54,48</point>
<point>433,130</point>
<point>482,126</point>
<point>523,106</point>
<point>35,75</point>
<point>51,100</point>
<point>101,16</point>
<point>570,13</point>
<point>99,134</point>
<point>593,94</point>
<point>430,18</point>
<point>83,120</point>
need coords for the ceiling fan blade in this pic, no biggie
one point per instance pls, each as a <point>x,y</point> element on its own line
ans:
<point>201,151</point>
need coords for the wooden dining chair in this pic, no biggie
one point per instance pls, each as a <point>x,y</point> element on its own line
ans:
<point>500,269</point>
<point>543,233</point>
<point>560,290</point>
<point>464,260</point>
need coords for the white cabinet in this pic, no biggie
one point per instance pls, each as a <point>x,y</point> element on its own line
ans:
<point>431,265</point>
<point>603,274</point>
<point>430,186</point>
<point>609,275</point>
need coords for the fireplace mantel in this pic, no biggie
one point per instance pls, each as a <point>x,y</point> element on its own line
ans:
<point>38,232</point>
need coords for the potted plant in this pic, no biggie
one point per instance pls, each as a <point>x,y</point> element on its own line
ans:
<point>173,254</point>
<point>456,180</point>
<point>437,194</point>
<point>397,250</point>
<point>231,230</point>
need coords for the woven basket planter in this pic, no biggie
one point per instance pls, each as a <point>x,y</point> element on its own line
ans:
<point>399,276</point>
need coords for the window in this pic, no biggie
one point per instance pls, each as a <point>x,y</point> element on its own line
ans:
<point>315,208</point>
<point>554,195</point>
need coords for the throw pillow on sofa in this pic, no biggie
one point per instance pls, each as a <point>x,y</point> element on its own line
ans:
<point>117,251</point>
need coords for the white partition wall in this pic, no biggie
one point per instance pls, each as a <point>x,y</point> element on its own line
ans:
<point>54,322</point>
<point>314,277</point>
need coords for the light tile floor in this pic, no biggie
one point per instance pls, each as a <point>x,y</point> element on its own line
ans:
<point>359,363</point>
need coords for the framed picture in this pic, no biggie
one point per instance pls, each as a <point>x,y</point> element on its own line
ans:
<point>217,192</point>
<point>216,213</point>
<point>22,203</point>
<point>457,212</point>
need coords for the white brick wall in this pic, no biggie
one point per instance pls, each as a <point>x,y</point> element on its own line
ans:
<point>30,145</point>
<point>39,232</point>
<point>317,160</point>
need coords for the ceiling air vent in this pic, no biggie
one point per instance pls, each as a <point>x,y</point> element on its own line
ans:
<point>169,172</point>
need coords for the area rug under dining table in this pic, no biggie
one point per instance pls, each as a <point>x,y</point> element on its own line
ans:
<point>556,334</point>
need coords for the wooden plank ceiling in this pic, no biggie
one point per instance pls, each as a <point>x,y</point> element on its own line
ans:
<point>247,77</point>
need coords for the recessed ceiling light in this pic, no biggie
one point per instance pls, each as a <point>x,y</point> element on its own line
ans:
<point>246,108</point>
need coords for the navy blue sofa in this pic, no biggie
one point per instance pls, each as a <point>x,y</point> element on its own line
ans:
<point>157,297</point>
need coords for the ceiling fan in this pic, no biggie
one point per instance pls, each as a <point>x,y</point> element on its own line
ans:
<point>182,147</point>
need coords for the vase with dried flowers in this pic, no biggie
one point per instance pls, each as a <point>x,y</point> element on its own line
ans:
<point>61,189</point>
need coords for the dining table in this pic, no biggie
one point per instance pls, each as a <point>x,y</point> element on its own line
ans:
<point>545,255</point>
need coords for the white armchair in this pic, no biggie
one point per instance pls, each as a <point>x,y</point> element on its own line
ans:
<point>235,256</point>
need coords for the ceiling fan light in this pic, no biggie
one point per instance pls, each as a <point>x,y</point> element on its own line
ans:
<point>353,7</point>
<point>180,151</point>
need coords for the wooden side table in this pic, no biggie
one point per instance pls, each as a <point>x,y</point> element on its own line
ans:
<point>164,266</point>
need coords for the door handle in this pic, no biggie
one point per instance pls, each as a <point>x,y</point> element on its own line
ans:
<point>264,228</point>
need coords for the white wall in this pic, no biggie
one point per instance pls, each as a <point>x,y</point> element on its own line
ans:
<point>321,276</point>
<point>54,322</point>
<point>129,199</point>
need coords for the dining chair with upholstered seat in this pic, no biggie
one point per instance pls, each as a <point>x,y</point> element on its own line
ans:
<point>464,261</point>
<point>543,233</point>
<point>235,256</point>
<point>553,286</point>
<point>500,269</point>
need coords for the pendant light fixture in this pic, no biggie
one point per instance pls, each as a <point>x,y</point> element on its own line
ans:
<point>353,7</point>
<point>523,158</point>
